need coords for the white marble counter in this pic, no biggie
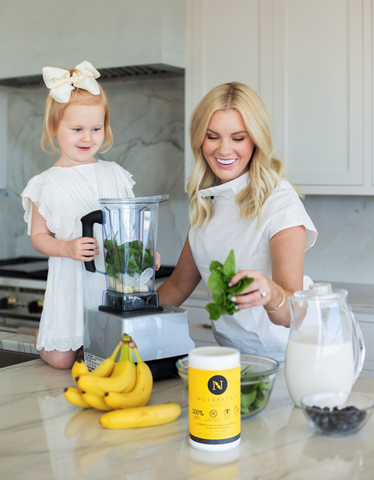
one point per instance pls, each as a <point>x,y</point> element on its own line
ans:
<point>45,437</point>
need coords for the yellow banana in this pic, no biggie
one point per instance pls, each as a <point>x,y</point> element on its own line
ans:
<point>114,383</point>
<point>106,367</point>
<point>141,393</point>
<point>95,402</point>
<point>74,396</point>
<point>132,367</point>
<point>78,369</point>
<point>141,416</point>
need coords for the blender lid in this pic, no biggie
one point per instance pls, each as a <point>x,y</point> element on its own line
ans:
<point>320,291</point>
<point>152,199</point>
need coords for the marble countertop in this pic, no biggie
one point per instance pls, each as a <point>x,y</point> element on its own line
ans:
<point>45,437</point>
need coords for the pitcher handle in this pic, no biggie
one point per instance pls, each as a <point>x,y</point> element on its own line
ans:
<point>360,349</point>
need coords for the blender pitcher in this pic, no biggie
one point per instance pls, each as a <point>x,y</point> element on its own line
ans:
<point>325,350</point>
<point>129,227</point>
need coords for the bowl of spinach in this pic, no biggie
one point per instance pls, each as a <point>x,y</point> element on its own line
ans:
<point>257,376</point>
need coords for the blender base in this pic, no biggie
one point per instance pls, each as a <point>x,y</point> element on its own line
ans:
<point>161,337</point>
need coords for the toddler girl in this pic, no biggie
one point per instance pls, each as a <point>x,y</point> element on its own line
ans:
<point>77,116</point>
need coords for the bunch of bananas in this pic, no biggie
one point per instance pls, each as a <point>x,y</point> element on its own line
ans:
<point>121,386</point>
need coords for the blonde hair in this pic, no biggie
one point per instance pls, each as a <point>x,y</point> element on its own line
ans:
<point>54,113</point>
<point>265,169</point>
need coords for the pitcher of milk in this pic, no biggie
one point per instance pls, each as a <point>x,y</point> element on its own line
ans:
<point>325,350</point>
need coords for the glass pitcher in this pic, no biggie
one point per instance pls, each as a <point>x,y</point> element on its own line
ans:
<point>325,350</point>
<point>129,232</point>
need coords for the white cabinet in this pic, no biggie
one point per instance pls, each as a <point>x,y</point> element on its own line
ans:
<point>312,62</point>
<point>199,324</point>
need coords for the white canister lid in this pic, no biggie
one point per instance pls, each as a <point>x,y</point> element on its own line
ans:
<point>214,358</point>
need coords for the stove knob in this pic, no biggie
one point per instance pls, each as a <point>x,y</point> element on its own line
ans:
<point>7,302</point>
<point>36,306</point>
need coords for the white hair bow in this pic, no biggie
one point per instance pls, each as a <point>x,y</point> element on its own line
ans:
<point>60,83</point>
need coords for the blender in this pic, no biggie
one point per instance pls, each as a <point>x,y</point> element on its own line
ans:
<point>130,303</point>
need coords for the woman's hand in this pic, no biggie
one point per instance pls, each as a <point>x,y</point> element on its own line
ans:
<point>83,249</point>
<point>262,291</point>
<point>287,260</point>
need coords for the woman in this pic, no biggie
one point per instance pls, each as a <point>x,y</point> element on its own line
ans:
<point>241,200</point>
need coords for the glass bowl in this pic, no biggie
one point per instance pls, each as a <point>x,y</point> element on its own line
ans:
<point>337,414</point>
<point>256,381</point>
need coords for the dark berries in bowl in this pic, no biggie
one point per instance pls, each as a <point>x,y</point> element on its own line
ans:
<point>337,414</point>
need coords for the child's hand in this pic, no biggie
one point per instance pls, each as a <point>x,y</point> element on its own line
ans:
<point>158,261</point>
<point>83,249</point>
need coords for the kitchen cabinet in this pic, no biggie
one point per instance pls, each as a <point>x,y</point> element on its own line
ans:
<point>199,324</point>
<point>313,63</point>
<point>108,33</point>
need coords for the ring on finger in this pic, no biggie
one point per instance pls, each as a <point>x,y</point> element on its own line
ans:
<point>263,294</point>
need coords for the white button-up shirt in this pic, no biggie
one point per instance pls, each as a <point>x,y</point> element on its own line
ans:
<point>248,330</point>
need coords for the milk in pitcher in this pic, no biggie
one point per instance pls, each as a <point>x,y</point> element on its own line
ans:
<point>313,368</point>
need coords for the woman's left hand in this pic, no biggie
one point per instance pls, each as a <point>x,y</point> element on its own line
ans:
<point>262,291</point>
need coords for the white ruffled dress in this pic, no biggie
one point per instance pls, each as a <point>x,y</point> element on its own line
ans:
<point>248,330</point>
<point>63,196</point>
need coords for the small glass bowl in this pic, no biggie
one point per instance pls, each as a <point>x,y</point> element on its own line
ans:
<point>337,414</point>
<point>256,381</point>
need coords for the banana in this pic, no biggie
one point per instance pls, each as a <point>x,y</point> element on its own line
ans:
<point>106,367</point>
<point>74,396</point>
<point>78,369</point>
<point>141,393</point>
<point>95,402</point>
<point>132,367</point>
<point>121,379</point>
<point>141,416</point>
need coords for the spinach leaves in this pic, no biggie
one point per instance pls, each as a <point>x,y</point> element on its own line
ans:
<point>254,392</point>
<point>130,257</point>
<point>218,282</point>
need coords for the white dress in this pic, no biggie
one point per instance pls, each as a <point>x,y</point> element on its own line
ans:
<point>248,330</point>
<point>63,196</point>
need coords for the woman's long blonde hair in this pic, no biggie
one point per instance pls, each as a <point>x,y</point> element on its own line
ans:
<point>265,169</point>
<point>54,113</point>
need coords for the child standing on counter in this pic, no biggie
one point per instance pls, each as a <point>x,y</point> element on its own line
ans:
<point>77,115</point>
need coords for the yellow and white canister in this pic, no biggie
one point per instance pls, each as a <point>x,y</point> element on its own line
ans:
<point>214,398</point>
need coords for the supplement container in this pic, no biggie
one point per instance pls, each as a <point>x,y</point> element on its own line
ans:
<point>214,398</point>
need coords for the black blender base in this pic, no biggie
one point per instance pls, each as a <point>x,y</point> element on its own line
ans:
<point>164,367</point>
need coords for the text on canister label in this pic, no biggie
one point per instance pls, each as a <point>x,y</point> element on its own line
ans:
<point>214,405</point>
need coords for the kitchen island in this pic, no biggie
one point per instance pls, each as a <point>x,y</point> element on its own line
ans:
<point>45,437</point>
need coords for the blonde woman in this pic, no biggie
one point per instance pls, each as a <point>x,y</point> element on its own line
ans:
<point>241,200</point>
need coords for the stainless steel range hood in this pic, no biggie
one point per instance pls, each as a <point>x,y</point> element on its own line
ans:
<point>114,73</point>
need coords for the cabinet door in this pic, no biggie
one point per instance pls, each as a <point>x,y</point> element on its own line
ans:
<point>317,86</point>
<point>222,45</point>
<point>312,62</point>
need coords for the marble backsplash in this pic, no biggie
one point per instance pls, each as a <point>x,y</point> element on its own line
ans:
<point>147,118</point>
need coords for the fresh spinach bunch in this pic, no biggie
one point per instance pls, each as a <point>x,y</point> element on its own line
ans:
<point>130,257</point>
<point>218,282</point>
<point>253,395</point>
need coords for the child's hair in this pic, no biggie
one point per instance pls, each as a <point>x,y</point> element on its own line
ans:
<point>54,113</point>
<point>265,169</point>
